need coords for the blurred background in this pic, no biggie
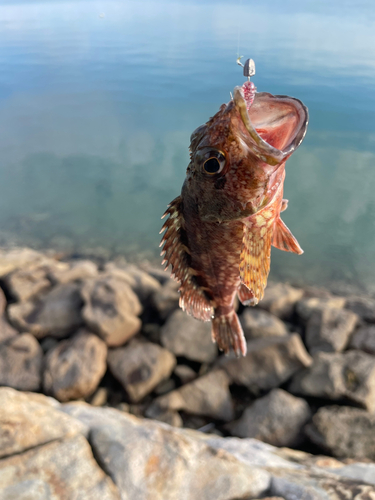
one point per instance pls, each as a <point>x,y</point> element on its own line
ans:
<point>98,100</point>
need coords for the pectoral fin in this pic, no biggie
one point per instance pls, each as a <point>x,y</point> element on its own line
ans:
<point>283,238</point>
<point>255,259</point>
<point>246,295</point>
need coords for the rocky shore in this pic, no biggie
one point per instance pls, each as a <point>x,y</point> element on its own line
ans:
<point>108,390</point>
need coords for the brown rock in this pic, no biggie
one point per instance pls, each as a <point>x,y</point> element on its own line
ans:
<point>186,336</point>
<point>142,283</point>
<point>27,283</point>
<point>280,299</point>
<point>21,360</point>
<point>166,299</point>
<point>18,258</point>
<point>111,309</point>
<point>208,396</point>
<point>56,314</point>
<point>269,362</point>
<point>140,366</point>
<point>364,339</point>
<point>307,306</point>
<point>79,270</point>
<point>185,373</point>
<point>257,323</point>
<point>277,418</point>
<point>74,368</point>
<point>329,329</point>
<point>6,331</point>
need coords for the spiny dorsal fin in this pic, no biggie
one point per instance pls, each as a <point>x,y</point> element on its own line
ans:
<point>283,239</point>
<point>176,255</point>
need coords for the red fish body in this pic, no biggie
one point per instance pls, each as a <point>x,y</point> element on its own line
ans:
<point>220,229</point>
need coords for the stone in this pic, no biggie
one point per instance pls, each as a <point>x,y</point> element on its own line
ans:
<point>57,314</point>
<point>306,306</point>
<point>57,470</point>
<point>335,376</point>
<point>74,368</point>
<point>277,418</point>
<point>208,396</point>
<point>18,258</point>
<point>79,270</point>
<point>21,359</point>
<point>364,339</point>
<point>140,367</point>
<point>142,283</point>
<point>27,283</point>
<point>363,306</point>
<point>6,331</point>
<point>30,420</point>
<point>169,417</point>
<point>344,431</point>
<point>185,373</point>
<point>269,362</point>
<point>111,309</point>
<point>258,323</point>
<point>279,299</point>
<point>186,336</point>
<point>148,459</point>
<point>100,397</point>
<point>166,299</point>
<point>329,329</point>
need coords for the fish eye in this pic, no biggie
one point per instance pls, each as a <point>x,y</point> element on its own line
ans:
<point>214,162</point>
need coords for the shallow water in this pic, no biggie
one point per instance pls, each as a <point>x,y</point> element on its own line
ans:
<point>98,101</point>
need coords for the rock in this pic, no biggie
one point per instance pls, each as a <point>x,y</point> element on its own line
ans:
<point>30,420</point>
<point>277,418</point>
<point>364,339</point>
<point>186,336</point>
<point>257,323</point>
<point>21,360</point>
<point>57,470</point>
<point>6,331</point>
<point>27,283</point>
<point>344,431</point>
<point>279,299</point>
<point>169,417</point>
<point>208,396</point>
<point>79,270</point>
<point>57,314</point>
<point>335,376</point>
<point>329,329</point>
<point>363,306</point>
<point>269,362</point>
<point>157,272</point>
<point>306,306</point>
<point>165,386</point>
<point>166,299</point>
<point>18,258</point>
<point>148,459</point>
<point>111,309</point>
<point>143,284</point>
<point>74,368</point>
<point>3,302</point>
<point>140,366</point>
<point>185,373</point>
<point>100,397</point>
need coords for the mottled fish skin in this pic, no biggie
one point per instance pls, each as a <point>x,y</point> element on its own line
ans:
<point>219,232</point>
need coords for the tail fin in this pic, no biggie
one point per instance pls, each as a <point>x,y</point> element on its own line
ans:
<point>227,332</point>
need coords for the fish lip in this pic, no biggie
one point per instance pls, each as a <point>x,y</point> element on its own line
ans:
<point>262,149</point>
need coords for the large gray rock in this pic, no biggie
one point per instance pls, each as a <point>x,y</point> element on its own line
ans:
<point>21,359</point>
<point>166,299</point>
<point>140,281</point>
<point>74,368</point>
<point>28,420</point>
<point>306,306</point>
<point>79,270</point>
<point>27,283</point>
<point>277,418</point>
<point>364,339</point>
<point>257,323</point>
<point>335,376</point>
<point>279,299</point>
<point>185,336</point>
<point>329,329</point>
<point>344,431</point>
<point>363,306</point>
<point>208,396</point>
<point>269,362</point>
<point>58,470</point>
<point>56,314</point>
<point>140,366</point>
<point>152,460</point>
<point>111,309</point>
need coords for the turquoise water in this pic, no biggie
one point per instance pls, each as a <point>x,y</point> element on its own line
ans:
<point>98,100</point>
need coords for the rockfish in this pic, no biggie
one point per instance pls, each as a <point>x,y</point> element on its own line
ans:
<point>219,232</point>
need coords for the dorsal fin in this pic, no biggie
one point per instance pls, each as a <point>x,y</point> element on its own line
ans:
<point>283,239</point>
<point>176,255</point>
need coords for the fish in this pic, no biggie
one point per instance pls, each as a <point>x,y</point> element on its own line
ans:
<point>219,231</point>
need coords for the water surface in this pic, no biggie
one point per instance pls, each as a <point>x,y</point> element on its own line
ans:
<point>98,100</point>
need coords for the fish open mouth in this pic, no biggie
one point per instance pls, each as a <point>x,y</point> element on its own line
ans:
<point>276,124</point>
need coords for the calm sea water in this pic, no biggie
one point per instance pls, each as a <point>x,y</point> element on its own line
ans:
<point>98,100</point>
